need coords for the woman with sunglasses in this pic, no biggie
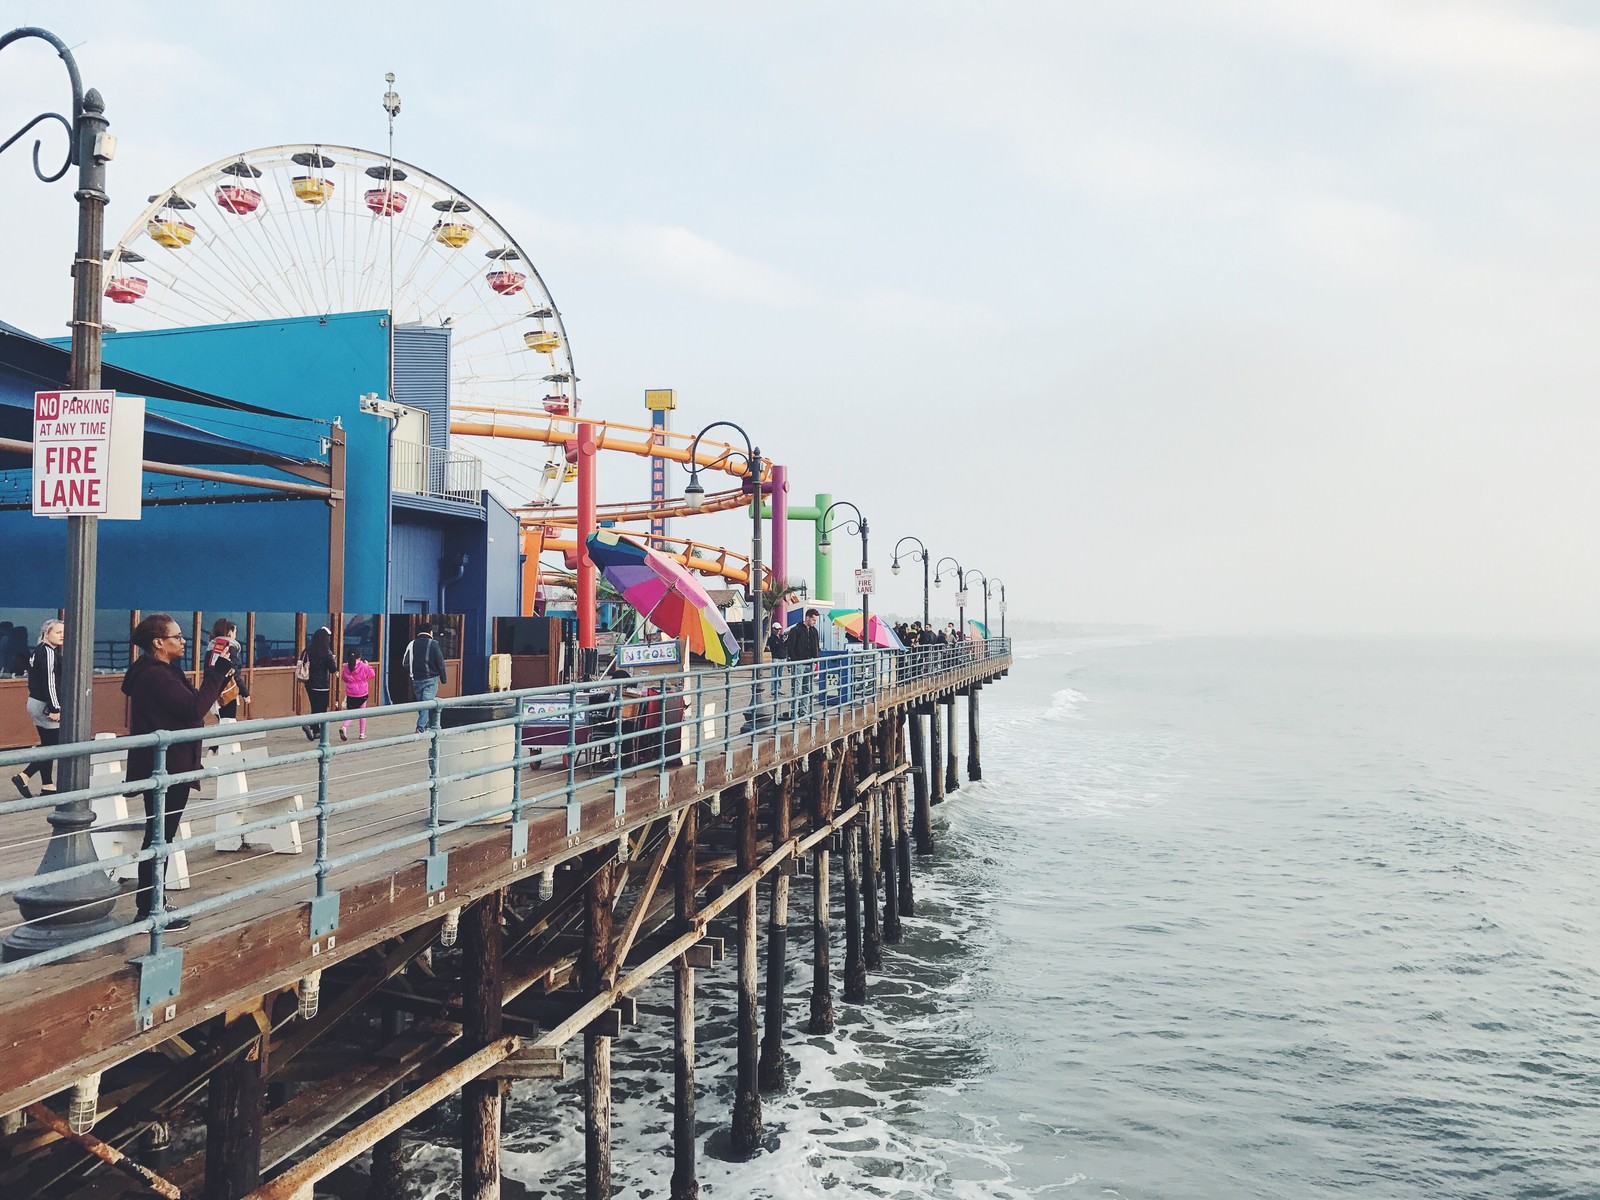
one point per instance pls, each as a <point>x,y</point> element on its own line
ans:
<point>161,697</point>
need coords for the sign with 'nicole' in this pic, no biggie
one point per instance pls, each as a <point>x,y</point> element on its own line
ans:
<point>88,453</point>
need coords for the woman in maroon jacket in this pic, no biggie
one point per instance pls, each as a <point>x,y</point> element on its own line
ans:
<point>161,697</point>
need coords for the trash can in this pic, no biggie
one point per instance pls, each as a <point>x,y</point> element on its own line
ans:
<point>474,749</point>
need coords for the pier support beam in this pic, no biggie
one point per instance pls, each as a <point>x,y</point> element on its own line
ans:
<point>235,1101</point>
<point>387,1177</point>
<point>772,1072</point>
<point>919,786</point>
<point>685,1183</point>
<point>892,836</point>
<point>482,994</point>
<point>746,1132</point>
<point>599,972</point>
<point>974,757</point>
<point>935,755</point>
<point>824,787</point>
<point>952,777</point>
<point>871,856</point>
<point>855,969</point>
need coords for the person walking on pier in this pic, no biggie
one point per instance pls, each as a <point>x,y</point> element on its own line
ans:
<point>44,704</point>
<point>160,696</point>
<point>320,667</point>
<point>357,679</point>
<point>424,662</point>
<point>225,645</point>
<point>804,647</point>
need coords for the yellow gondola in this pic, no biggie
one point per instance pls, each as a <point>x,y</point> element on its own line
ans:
<point>170,232</point>
<point>570,474</point>
<point>541,340</point>
<point>454,234</point>
<point>313,189</point>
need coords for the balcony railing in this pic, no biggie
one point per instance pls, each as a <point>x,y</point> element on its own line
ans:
<point>425,470</point>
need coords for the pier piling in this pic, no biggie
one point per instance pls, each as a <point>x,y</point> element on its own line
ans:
<point>772,1072</point>
<point>952,777</point>
<point>235,1102</point>
<point>919,786</point>
<point>685,1183</point>
<point>598,974</point>
<point>482,987</point>
<point>935,755</point>
<point>974,757</point>
<point>825,779</point>
<point>855,967</point>
<point>746,1132</point>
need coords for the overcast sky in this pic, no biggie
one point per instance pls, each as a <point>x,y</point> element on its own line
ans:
<point>1241,315</point>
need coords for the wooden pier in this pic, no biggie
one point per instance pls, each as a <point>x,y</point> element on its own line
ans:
<point>554,929</point>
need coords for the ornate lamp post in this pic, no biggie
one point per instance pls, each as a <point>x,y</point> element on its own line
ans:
<point>76,908</point>
<point>858,525</point>
<point>921,552</point>
<point>695,494</point>
<point>1000,583</point>
<point>961,589</point>
<point>971,571</point>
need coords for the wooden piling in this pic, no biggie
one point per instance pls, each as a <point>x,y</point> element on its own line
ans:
<point>685,1183</point>
<point>771,1069</point>
<point>746,1131</point>
<point>482,994</point>
<point>598,974</point>
<point>855,968</point>
<point>974,761</point>
<point>952,777</point>
<point>871,835</point>
<point>935,755</point>
<point>892,834</point>
<point>824,787</point>
<point>919,786</point>
<point>235,1100</point>
<point>387,1177</point>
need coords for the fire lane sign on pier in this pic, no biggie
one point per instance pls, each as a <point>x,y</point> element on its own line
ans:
<point>88,453</point>
<point>865,581</point>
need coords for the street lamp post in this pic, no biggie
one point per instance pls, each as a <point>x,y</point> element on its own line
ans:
<point>961,590</point>
<point>971,571</point>
<point>858,525</point>
<point>79,907</point>
<point>920,552</point>
<point>1000,583</point>
<point>694,494</point>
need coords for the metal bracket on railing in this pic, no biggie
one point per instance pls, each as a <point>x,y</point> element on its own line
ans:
<point>519,843</point>
<point>619,803</point>
<point>160,976</point>
<point>438,875</point>
<point>324,915</point>
<point>574,817</point>
<point>699,774</point>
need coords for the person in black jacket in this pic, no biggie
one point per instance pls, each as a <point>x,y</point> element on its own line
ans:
<point>424,664</point>
<point>318,656</point>
<point>44,704</point>
<point>160,696</point>
<point>803,645</point>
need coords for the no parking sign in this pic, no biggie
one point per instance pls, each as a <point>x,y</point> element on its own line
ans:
<point>88,453</point>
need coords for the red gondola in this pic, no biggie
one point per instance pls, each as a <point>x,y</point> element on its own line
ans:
<point>557,406</point>
<point>238,199</point>
<point>507,283</point>
<point>125,289</point>
<point>386,202</point>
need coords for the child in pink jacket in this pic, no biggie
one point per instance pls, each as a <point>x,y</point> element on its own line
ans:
<point>357,674</point>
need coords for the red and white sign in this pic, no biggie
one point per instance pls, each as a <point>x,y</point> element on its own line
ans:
<point>88,451</point>
<point>865,580</point>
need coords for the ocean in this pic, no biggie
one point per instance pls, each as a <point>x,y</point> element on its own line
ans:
<point>1230,918</point>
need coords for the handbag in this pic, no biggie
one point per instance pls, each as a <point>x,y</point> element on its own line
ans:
<point>230,691</point>
<point>302,666</point>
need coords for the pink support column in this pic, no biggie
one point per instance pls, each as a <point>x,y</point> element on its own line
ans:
<point>587,464</point>
<point>780,534</point>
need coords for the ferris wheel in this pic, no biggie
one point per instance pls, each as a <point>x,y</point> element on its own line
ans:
<point>312,230</point>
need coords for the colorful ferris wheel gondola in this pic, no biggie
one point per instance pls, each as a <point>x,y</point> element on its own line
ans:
<point>385,200</point>
<point>501,278</point>
<point>126,289</point>
<point>314,187</point>
<point>236,197</point>
<point>450,230</point>
<point>166,226</point>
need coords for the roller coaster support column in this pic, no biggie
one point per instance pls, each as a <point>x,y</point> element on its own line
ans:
<point>587,464</point>
<point>780,538</point>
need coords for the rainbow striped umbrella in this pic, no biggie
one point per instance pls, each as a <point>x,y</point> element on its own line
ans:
<point>665,593</point>
<point>849,619</point>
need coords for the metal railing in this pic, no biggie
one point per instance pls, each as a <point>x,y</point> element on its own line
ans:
<point>433,471</point>
<point>484,758</point>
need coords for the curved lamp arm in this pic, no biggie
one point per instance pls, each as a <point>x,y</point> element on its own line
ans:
<point>78,100</point>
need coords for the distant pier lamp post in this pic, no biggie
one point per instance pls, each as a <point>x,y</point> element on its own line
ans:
<point>961,589</point>
<point>1000,583</point>
<point>857,525</point>
<point>694,495</point>
<point>921,552</point>
<point>971,571</point>
<point>66,911</point>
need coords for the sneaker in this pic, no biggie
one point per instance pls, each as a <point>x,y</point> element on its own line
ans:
<point>343,736</point>
<point>361,737</point>
<point>20,782</point>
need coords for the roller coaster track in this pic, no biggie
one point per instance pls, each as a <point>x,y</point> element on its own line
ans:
<point>558,524</point>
